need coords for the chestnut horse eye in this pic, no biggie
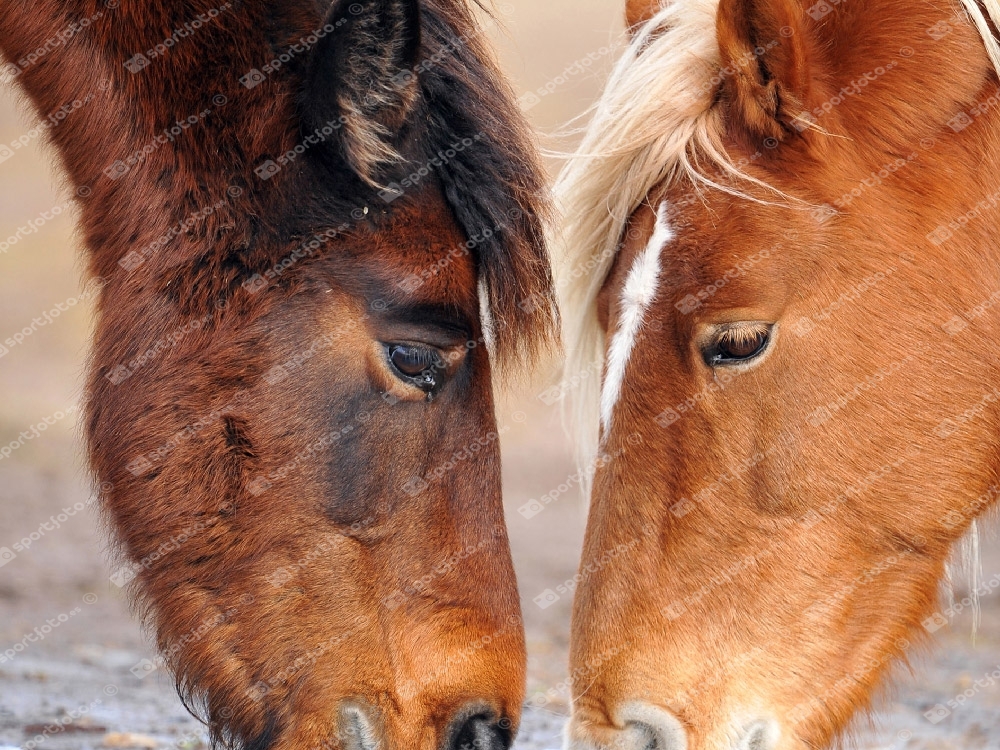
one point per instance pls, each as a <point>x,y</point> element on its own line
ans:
<point>738,343</point>
<point>417,366</point>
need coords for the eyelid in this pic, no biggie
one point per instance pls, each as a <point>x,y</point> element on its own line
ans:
<point>738,332</point>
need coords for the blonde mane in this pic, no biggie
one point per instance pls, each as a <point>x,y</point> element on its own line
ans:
<point>656,122</point>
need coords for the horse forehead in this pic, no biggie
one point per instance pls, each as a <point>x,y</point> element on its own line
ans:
<point>424,256</point>
<point>715,232</point>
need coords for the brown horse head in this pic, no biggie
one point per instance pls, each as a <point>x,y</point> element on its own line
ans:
<point>780,243</point>
<point>314,232</point>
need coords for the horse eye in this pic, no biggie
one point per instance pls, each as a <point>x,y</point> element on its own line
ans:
<point>738,343</point>
<point>417,366</point>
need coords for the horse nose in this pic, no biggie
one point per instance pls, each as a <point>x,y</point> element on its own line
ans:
<point>638,726</point>
<point>478,729</point>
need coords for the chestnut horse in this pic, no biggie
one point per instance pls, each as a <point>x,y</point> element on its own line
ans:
<point>791,206</point>
<point>295,210</point>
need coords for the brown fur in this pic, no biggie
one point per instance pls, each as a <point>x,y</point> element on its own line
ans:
<point>273,504</point>
<point>785,552</point>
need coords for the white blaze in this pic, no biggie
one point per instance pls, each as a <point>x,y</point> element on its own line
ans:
<point>637,296</point>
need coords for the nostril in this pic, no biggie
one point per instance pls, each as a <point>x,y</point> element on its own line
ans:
<point>632,725</point>
<point>652,728</point>
<point>479,731</point>
<point>359,728</point>
<point>762,735</point>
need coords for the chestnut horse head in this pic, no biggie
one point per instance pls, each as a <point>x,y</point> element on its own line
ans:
<point>780,243</point>
<point>314,226</point>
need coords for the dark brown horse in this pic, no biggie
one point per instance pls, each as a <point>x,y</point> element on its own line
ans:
<point>792,208</point>
<point>314,227</point>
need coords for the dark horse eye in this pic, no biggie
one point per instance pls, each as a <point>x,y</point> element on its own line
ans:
<point>417,365</point>
<point>738,343</point>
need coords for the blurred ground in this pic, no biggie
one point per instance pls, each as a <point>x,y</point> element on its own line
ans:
<point>76,685</point>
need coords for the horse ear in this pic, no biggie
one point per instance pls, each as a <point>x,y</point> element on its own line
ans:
<point>361,79</point>
<point>637,12</point>
<point>764,51</point>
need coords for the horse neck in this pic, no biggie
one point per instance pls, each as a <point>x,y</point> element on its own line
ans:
<point>116,112</point>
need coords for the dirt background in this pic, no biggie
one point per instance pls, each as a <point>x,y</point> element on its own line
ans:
<point>89,679</point>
